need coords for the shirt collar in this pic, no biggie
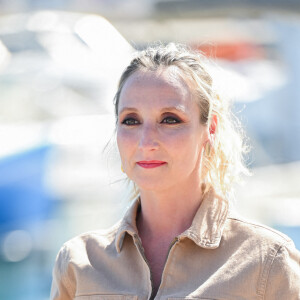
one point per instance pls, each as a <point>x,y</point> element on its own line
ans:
<point>208,224</point>
<point>128,224</point>
<point>206,229</point>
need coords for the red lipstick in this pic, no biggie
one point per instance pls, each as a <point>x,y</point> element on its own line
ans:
<point>150,163</point>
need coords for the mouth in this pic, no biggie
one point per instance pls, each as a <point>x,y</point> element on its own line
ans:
<point>150,164</point>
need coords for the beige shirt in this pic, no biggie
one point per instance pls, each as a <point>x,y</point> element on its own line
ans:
<point>218,257</point>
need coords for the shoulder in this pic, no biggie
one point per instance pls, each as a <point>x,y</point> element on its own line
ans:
<point>272,251</point>
<point>102,235</point>
<point>76,256</point>
<point>247,229</point>
<point>78,247</point>
<point>262,243</point>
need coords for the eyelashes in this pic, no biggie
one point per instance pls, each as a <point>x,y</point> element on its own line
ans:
<point>171,120</point>
<point>131,121</point>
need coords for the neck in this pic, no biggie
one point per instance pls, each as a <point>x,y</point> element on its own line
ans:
<point>167,214</point>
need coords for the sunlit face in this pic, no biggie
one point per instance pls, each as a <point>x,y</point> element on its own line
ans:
<point>159,134</point>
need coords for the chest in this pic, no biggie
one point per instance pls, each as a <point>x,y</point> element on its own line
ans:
<point>184,271</point>
<point>156,255</point>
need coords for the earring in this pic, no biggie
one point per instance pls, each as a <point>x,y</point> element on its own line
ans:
<point>207,149</point>
<point>122,169</point>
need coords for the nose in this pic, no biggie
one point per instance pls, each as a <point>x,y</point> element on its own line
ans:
<point>149,138</point>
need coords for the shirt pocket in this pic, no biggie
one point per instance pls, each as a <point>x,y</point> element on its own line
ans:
<point>106,297</point>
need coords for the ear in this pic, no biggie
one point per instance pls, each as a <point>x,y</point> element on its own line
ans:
<point>213,127</point>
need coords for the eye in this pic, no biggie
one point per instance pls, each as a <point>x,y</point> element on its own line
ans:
<point>130,122</point>
<point>171,120</point>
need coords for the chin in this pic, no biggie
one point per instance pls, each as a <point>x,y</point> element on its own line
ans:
<point>151,185</point>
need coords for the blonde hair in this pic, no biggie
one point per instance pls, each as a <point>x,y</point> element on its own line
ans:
<point>222,161</point>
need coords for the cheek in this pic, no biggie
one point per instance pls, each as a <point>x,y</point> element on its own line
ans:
<point>125,142</point>
<point>188,146</point>
<point>184,140</point>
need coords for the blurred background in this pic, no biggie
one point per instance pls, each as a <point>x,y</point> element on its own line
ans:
<point>60,62</point>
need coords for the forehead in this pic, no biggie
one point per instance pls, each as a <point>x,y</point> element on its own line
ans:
<point>165,88</point>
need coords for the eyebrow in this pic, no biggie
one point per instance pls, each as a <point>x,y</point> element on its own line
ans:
<point>178,108</point>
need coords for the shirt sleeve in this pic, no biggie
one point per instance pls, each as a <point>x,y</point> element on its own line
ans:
<point>61,287</point>
<point>284,275</point>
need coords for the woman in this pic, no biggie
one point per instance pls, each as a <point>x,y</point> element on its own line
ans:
<point>179,239</point>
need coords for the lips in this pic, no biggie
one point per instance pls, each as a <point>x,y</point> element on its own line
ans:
<point>150,164</point>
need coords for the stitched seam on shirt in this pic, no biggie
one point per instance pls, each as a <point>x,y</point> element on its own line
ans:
<point>65,279</point>
<point>204,241</point>
<point>67,284</point>
<point>261,291</point>
<point>123,296</point>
